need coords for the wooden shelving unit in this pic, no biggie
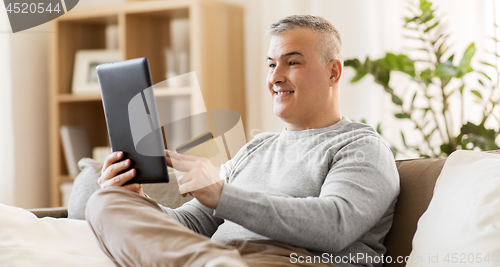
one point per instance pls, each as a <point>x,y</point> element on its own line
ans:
<point>215,54</point>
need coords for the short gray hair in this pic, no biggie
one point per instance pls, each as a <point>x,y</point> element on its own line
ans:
<point>330,44</point>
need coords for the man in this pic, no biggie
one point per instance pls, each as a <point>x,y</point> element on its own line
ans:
<point>320,192</point>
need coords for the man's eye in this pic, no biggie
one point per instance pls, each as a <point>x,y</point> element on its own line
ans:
<point>293,63</point>
<point>272,65</point>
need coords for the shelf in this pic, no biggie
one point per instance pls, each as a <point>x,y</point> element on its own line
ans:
<point>108,13</point>
<point>159,92</point>
<point>65,98</point>
<point>67,178</point>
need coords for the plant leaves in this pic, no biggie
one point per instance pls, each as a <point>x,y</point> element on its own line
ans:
<point>404,140</point>
<point>401,116</point>
<point>396,100</point>
<point>437,39</point>
<point>431,132</point>
<point>494,39</point>
<point>485,75</point>
<point>398,62</point>
<point>382,78</point>
<point>426,76</point>
<point>464,66</point>
<point>477,135</point>
<point>476,93</point>
<point>408,19</point>
<point>450,59</point>
<point>394,151</point>
<point>413,100</point>
<point>422,20</point>
<point>487,64</point>
<point>445,70</point>
<point>413,38</point>
<point>461,88</point>
<point>427,16</point>
<point>432,27</point>
<point>358,67</point>
<point>447,148</point>
<point>359,75</point>
<point>442,49</point>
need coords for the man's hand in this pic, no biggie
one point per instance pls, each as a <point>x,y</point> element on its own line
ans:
<point>200,179</point>
<point>110,170</point>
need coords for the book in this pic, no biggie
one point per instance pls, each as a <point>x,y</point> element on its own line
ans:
<point>75,146</point>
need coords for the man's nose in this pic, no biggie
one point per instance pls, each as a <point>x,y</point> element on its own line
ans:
<point>277,75</point>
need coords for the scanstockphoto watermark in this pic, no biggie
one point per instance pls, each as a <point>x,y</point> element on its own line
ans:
<point>429,259</point>
<point>357,258</point>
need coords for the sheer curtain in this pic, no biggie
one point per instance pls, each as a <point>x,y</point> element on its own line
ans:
<point>24,160</point>
<point>6,123</point>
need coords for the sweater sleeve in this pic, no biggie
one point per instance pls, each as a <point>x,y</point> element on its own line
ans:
<point>195,216</point>
<point>359,188</point>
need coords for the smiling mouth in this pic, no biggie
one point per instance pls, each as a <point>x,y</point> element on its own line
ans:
<point>282,93</point>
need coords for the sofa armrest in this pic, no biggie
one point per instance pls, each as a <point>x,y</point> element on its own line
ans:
<point>60,212</point>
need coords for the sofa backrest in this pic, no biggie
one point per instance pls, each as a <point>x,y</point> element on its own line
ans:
<point>417,180</point>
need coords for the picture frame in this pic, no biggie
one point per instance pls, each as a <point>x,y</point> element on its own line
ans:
<point>84,71</point>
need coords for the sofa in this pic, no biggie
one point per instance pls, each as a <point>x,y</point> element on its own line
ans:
<point>417,177</point>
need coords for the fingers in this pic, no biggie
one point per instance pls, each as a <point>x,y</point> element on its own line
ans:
<point>181,162</point>
<point>183,165</point>
<point>167,157</point>
<point>113,170</point>
<point>110,159</point>
<point>184,179</point>
<point>194,185</point>
<point>111,173</point>
<point>119,180</point>
<point>185,188</point>
<point>178,156</point>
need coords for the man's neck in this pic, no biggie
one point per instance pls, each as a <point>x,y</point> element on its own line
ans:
<point>313,125</point>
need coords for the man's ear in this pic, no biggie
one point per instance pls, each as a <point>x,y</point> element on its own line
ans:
<point>335,67</point>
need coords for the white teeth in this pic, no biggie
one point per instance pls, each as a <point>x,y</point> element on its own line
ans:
<point>281,93</point>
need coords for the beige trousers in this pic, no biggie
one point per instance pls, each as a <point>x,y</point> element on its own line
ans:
<point>133,231</point>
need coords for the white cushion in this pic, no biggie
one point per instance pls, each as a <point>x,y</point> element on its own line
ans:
<point>28,241</point>
<point>461,226</point>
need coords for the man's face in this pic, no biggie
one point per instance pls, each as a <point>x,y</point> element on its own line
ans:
<point>298,81</point>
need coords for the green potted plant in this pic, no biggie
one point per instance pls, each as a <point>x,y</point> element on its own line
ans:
<point>436,77</point>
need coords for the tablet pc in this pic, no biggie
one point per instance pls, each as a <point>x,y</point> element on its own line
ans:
<point>132,119</point>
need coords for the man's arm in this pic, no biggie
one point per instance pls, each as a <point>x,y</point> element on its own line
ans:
<point>354,197</point>
<point>195,216</point>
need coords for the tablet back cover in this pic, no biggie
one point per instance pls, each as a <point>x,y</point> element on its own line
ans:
<point>122,83</point>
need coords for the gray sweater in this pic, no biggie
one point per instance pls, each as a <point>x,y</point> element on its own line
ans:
<point>330,190</point>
